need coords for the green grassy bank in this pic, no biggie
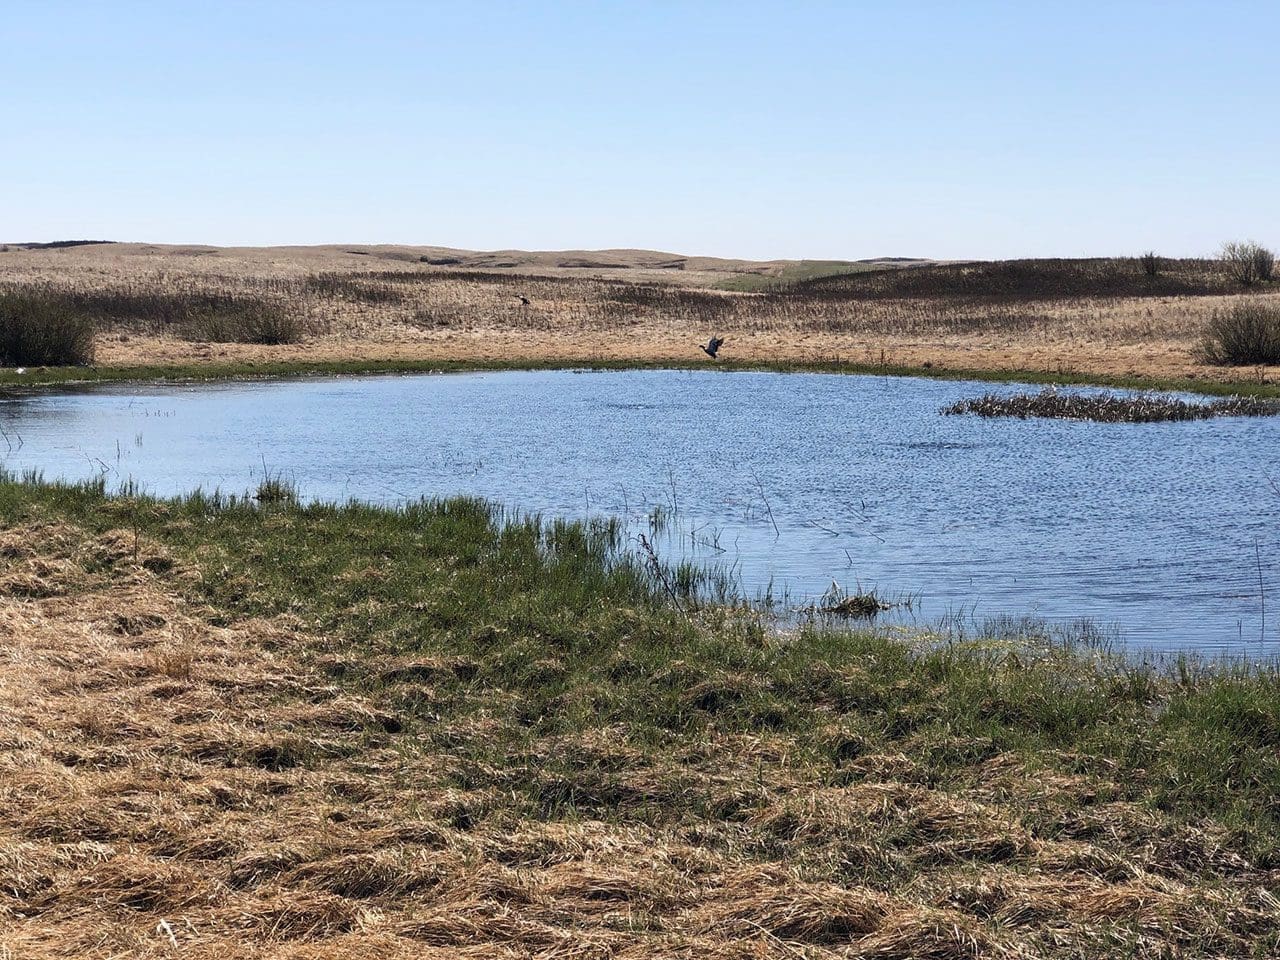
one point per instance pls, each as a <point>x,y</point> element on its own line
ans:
<point>810,790</point>
<point>73,376</point>
<point>568,625</point>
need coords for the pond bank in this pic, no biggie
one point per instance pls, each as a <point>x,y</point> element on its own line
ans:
<point>363,731</point>
<point>1231,384</point>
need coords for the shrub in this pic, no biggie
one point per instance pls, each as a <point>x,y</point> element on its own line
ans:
<point>245,321</point>
<point>361,288</point>
<point>1246,333</point>
<point>41,329</point>
<point>1248,261</point>
<point>1150,263</point>
<point>1264,262</point>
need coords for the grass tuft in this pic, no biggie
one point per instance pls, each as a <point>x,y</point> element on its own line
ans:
<point>275,489</point>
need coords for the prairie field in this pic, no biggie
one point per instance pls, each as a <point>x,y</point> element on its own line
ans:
<point>187,306</point>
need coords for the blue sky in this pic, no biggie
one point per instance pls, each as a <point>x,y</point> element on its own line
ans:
<point>757,130</point>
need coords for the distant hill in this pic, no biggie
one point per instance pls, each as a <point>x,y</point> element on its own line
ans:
<point>648,264</point>
<point>57,244</point>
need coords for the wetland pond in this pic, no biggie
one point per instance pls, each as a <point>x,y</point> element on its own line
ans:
<point>1165,535</point>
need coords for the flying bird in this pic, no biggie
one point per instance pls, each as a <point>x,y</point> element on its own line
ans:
<point>712,347</point>
<point>523,299</point>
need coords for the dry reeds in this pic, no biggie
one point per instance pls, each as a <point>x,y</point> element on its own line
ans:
<point>281,302</point>
<point>39,330</point>
<point>1109,407</point>
<point>50,323</point>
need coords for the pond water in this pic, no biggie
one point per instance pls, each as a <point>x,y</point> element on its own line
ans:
<point>1168,534</point>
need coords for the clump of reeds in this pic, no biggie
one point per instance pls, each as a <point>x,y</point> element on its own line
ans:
<point>361,287</point>
<point>243,320</point>
<point>48,325</point>
<point>276,489</point>
<point>1109,407</point>
<point>1244,334</point>
<point>859,604</point>
<point>41,329</point>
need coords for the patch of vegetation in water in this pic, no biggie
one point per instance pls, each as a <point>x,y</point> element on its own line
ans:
<point>857,604</point>
<point>1109,407</point>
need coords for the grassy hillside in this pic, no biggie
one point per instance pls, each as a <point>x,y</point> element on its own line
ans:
<point>191,307</point>
<point>1025,280</point>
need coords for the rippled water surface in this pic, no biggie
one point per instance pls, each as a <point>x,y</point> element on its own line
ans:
<point>1166,531</point>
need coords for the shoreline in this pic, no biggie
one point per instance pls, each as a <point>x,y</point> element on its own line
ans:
<point>270,369</point>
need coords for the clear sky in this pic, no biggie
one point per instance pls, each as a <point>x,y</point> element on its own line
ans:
<point>784,129</point>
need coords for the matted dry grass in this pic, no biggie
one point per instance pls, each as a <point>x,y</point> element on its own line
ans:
<point>179,784</point>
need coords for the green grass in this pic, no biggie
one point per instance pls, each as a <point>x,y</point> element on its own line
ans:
<point>197,372</point>
<point>794,273</point>
<point>546,629</point>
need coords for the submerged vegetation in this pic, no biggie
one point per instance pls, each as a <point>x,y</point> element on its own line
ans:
<point>1109,407</point>
<point>245,725</point>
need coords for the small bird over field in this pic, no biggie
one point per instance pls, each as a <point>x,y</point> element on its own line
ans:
<point>523,299</point>
<point>712,347</point>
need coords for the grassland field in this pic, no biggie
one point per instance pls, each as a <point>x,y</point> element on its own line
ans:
<point>188,308</point>
<point>249,727</point>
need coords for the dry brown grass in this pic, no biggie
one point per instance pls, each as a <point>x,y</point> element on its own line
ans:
<point>576,314</point>
<point>172,787</point>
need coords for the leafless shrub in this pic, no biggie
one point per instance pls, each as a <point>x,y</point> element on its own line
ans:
<point>1264,262</point>
<point>1245,334</point>
<point>1248,261</point>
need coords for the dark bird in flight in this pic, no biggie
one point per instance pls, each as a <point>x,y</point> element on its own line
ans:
<point>712,347</point>
<point>523,299</point>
